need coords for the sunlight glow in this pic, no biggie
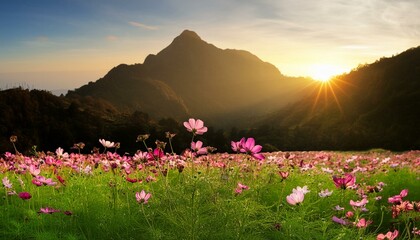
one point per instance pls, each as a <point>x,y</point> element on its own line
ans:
<point>324,72</point>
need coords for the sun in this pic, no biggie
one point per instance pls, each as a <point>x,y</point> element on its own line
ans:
<point>324,72</point>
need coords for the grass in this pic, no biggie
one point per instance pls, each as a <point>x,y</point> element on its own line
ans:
<point>202,203</point>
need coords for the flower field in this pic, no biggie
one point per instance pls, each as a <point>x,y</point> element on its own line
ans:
<point>199,194</point>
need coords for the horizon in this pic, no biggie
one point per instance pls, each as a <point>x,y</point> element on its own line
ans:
<point>64,45</point>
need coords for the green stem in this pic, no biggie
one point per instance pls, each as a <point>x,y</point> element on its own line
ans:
<point>145,217</point>
<point>170,145</point>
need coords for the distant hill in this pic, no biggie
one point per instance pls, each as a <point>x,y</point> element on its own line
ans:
<point>39,118</point>
<point>374,106</point>
<point>191,77</point>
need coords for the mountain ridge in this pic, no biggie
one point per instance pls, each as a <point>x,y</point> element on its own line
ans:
<point>206,82</point>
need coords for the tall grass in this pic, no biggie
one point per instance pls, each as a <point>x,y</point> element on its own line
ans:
<point>201,202</point>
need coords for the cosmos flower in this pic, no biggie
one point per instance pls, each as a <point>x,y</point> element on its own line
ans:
<point>303,189</point>
<point>25,195</point>
<point>48,210</point>
<point>198,148</point>
<point>240,188</point>
<point>389,235</point>
<point>359,204</point>
<point>398,198</point>
<point>340,220</point>
<point>248,146</point>
<point>195,126</point>
<point>362,223</point>
<point>295,198</point>
<point>6,183</point>
<point>345,182</point>
<point>284,175</point>
<point>298,195</point>
<point>236,146</point>
<point>41,180</point>
<point>143,197</point>
<point>325,193</point>
<point>34,170</point>
<point>107,144</point>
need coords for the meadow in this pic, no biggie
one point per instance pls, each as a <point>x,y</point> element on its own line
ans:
<point>202,194</point>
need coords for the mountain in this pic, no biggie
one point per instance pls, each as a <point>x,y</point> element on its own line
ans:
<point>192,78</point>
<point>374,106</point>
<point>39,118</point>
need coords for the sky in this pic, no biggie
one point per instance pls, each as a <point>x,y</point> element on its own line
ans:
<point>64,44</point>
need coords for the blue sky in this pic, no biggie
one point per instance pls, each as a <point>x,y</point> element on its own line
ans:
<point>55,44</point>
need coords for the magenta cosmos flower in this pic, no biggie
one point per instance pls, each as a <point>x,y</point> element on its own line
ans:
<point>143,197</point>
<point>248,146</point>
<point>347,181</point>
<point>195,126</point>
<point>25,195</point>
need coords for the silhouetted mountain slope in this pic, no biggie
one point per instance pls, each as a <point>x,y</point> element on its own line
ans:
<point>41,119</point>
<point>191,77</point>
<point>375,105</point>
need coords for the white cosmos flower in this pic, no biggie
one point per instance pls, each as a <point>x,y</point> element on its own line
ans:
<point>107,144</point>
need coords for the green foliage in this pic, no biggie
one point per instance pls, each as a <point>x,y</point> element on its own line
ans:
<point>199,204</point>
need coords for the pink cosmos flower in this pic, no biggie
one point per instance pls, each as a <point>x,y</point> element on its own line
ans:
<point>347,181</point>
<point>43,180</point>
<point>236,146</point>
<point>338,208</point>
<point>248,146</point>
<point>60,153</point>
<point>6,183</point>
<point>143,197</point>
<point>340,220</point>
<point>140,156</point>
<point>389,235</point>
<point>240,188</point>
<point>360,203</point>
<point>298,195</point>
<point>34,170</point>
<point>25,195</point>
<point>107,144</point>
<point>48,210</point>
<point>362,223</point>
<point>36,182</point>
<point>349,214</point>
<point>198,148</point>
<point>295,198</point>
<point>195,126</point>
<point>398,198</point>
<point>284,175</point>
<point>303,189</point>
<point>325,193</point>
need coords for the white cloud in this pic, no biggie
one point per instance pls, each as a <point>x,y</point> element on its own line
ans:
<point>144,26</point>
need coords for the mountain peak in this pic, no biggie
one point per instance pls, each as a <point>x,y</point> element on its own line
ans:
<point>189,34</point>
